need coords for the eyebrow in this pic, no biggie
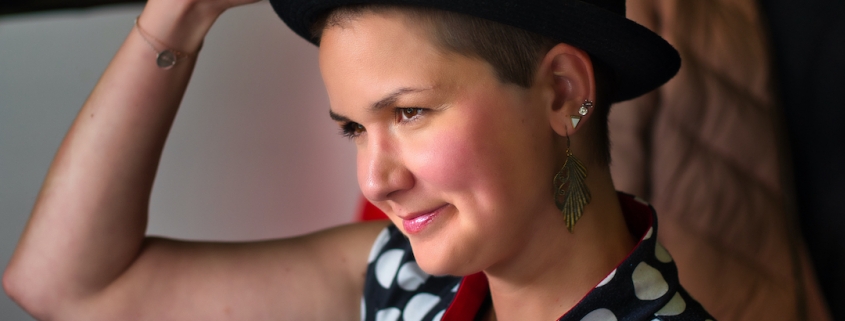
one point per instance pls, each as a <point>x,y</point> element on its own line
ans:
<point>385,102</point>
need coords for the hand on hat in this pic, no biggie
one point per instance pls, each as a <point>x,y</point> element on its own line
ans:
<point>182,24</point>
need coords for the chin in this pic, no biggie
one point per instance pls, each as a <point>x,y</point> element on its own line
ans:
<point>440,262</point>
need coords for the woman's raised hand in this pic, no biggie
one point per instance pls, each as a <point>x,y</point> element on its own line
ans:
<point>84,254</point>
<point>184,23</point>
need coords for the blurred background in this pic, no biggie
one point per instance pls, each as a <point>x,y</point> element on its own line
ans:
<point>252,154</point>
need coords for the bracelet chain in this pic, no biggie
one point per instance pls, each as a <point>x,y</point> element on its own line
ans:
<point>166,58</point>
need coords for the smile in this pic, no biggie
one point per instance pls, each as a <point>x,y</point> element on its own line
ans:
<point>417,222</point>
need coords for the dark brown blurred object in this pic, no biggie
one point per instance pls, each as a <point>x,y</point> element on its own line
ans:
<point>8,7</point>
<point>808,42</point>
<point>709,150</point>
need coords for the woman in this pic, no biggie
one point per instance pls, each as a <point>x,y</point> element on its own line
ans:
<point>484,143</point>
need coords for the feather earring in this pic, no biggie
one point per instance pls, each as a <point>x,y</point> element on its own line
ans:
<point>571,192</point>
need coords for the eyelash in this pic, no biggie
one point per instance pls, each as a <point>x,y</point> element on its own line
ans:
<point>352,130</point>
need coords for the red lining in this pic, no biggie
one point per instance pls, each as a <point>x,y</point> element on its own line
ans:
<point>475,288</point>
<point>471,294</point>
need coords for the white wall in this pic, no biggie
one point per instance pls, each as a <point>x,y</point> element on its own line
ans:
<point>252,154</point>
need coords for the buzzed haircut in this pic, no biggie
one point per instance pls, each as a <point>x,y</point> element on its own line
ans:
<point>514,53</point>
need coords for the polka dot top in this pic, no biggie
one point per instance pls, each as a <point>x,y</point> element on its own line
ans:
<point>643,287</point>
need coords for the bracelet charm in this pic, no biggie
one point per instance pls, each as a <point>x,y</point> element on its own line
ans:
<point>166,58</point>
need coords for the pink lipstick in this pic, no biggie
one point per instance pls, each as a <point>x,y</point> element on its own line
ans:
<point>416,223</point>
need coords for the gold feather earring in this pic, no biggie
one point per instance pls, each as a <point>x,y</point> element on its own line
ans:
<point>571,192</point>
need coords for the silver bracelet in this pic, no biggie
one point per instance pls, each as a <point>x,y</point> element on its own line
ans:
<point>166,58</point>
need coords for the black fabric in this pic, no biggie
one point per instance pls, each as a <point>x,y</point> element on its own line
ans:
<point>808,39</point>
<point>486,306</point>
<point>640,59</point>
<point>395,295</point>
<point>644,287</point>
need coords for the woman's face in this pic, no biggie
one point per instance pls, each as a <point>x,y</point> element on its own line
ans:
<point>459,161</point>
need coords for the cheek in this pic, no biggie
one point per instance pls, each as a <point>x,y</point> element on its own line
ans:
<point>466,153</point>
<point>361,167</point>
<point>449,159</point>
<point>492,157</point>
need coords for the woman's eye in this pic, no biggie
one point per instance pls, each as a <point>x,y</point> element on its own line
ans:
<point>410,113</point>
<point>352,129</point>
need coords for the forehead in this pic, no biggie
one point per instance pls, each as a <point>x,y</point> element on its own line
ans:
<point>373,45</point>
<point>373,54</point>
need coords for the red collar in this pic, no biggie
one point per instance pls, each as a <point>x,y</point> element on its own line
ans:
<point>475,288</point>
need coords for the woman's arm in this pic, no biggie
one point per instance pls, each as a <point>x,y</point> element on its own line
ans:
<point>83,254</point>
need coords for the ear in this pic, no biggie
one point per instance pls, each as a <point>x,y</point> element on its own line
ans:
<point>569,70</point>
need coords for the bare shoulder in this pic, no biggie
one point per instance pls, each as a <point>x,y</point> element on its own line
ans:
<point>319,276</point>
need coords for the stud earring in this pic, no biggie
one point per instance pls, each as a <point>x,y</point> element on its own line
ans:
<point>583,111</point>
<point>571,192</point>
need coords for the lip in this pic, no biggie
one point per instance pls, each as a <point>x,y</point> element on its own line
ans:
<point>417,222</point>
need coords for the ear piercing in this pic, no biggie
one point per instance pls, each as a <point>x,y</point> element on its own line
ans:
<point>583,111</point>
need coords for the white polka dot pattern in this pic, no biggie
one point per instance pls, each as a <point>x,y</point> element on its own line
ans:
<point>676,306</point>
<point>648,234</point>
<point>387,265</point>
<point>607,279</point>
<point>398,289</point>
<point>641,201</point>
<point>661,254</point>
<point>438,316</point>
<point>389,314</point>
<point>410,276</point>
<point>419,306</point>
<point>363,309</point>
<point>600,315</point>
<point>644,287</point>
<point>649,284</point>
<point>381,240</point>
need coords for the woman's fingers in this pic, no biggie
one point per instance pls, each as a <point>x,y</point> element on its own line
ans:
<point>182,24</point>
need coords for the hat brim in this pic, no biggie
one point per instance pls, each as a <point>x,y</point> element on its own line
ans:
<point>640,59</point>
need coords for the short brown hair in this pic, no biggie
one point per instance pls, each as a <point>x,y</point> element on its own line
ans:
<point>514,53</point>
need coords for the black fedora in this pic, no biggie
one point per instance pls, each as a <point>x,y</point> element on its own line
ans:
<point>640,59</point>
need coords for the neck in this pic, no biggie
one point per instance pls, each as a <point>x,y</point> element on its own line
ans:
<point>557,268</point>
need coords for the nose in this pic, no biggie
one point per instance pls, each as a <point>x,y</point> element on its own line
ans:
<point>381,170</point>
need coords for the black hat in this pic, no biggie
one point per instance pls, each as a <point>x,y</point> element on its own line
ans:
<point>640,59</point>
